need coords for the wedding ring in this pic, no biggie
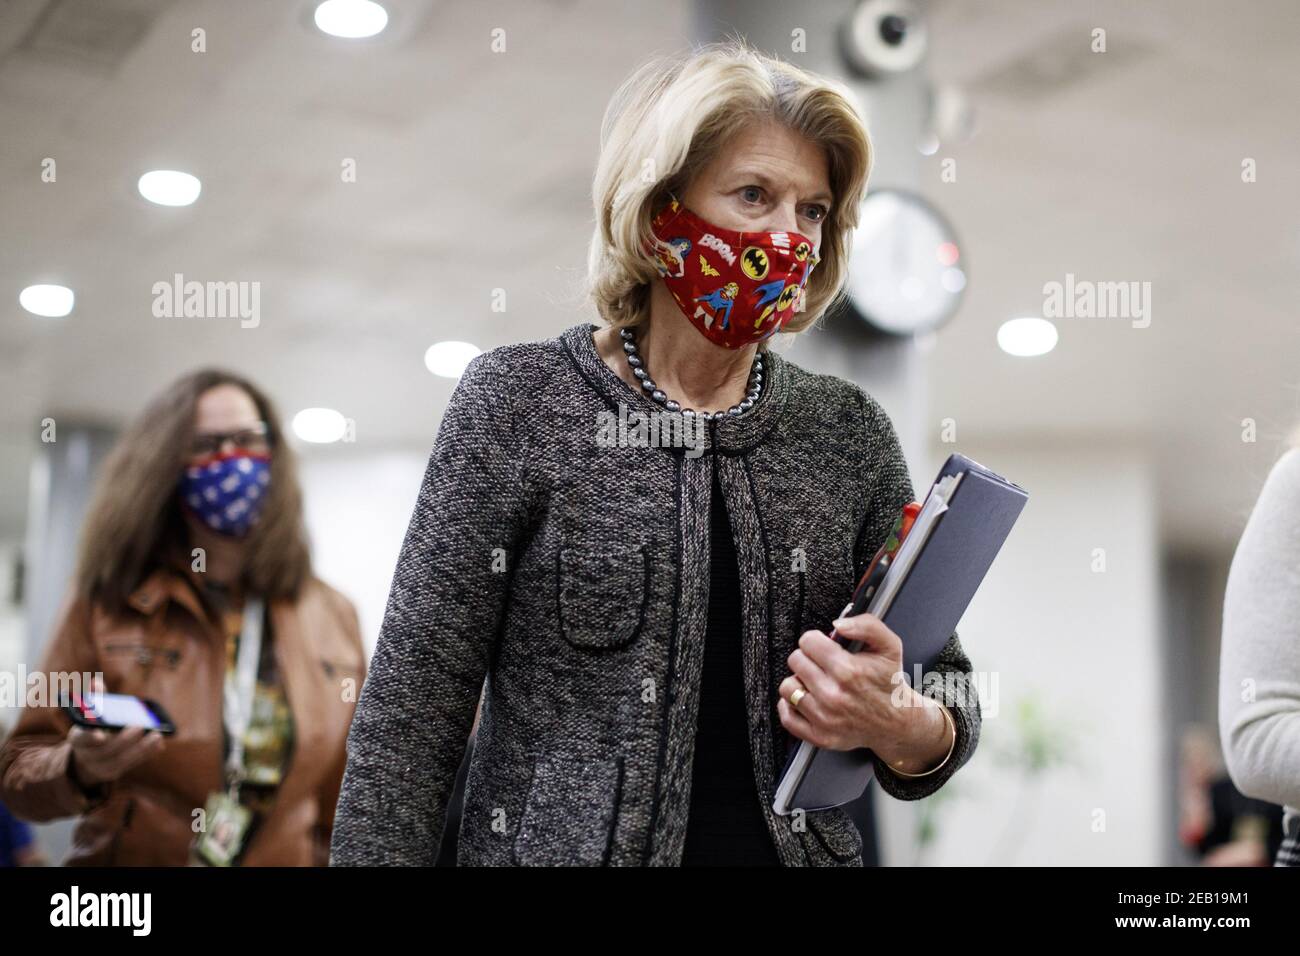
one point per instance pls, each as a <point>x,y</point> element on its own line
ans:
<point>798,695</point>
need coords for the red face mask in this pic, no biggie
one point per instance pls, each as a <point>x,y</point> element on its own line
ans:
<point>735,287</point>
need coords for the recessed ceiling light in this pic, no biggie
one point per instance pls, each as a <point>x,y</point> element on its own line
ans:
<point>319,425</point>
<point>1027,336</point>
<point>351,19</point>
<point>168,187</point>
<point>51,301</point>
<point>953,279</point>
<point>449,359</point>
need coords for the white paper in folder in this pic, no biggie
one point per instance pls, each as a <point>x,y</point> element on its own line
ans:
<point>936,503</point>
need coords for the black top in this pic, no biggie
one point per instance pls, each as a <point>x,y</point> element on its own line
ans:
<point>1231,809</point>
<point>726,826</point>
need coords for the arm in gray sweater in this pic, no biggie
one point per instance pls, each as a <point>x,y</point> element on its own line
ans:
<point>443,614</point>
<point>1259,672</point>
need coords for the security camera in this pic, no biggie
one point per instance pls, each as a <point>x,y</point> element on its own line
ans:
<point>884,37</point>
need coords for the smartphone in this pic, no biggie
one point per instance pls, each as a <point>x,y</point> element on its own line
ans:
<point>862,595</point>
<point>117,712</point>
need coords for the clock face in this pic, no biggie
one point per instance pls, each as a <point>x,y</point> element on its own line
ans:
<point>906,273</point>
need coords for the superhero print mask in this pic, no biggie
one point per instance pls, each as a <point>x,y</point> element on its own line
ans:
<point>735,287</point>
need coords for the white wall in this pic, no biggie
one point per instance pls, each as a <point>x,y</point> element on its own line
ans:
<point>1087,645</point>
<point>357,510</point>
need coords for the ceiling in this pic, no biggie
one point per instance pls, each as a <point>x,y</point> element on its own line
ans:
<point>1126,166</point>
<point>473,172</point>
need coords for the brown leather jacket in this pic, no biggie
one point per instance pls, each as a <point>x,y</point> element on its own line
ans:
<point>170,648</point>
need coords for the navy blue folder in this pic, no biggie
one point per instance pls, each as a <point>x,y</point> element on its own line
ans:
<point>924,612</point>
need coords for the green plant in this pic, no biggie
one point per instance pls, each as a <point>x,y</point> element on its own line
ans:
<point>1030,744</point>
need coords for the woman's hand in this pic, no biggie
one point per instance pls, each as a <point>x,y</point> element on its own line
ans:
<point>855,700</point>
<point>99,756</point>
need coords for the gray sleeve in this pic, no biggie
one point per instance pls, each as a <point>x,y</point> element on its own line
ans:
<point>892,489</point>
<point>448,595</point>
<point>1259,665</point>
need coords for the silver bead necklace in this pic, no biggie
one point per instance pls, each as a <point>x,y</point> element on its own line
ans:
<point>648,386</point>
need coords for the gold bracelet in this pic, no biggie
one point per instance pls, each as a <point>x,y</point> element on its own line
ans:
<point>953,725</point>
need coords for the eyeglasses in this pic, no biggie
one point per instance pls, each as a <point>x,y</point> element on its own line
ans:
<point>255,438</point>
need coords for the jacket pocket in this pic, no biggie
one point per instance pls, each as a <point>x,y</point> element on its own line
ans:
<point>143,654</point>
<point>602,595</point>
<point>568,817</point>
<point>833,834</point>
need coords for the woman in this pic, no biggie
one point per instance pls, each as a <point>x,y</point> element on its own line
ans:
<point>1259,667</point>
<point>1217,822</point>
<point>645,615</point>
<point>194,589</point>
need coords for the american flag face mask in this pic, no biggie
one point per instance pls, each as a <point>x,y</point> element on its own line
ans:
<point>225,492</point>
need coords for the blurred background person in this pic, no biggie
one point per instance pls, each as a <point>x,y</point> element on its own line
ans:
<point>1217,821</point>
<point>1259,673</point>
<point>193,551</point>
<point>18,845</point>
<point>17,842</point>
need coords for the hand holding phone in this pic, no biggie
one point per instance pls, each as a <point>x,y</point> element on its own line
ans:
<point>111,733</point>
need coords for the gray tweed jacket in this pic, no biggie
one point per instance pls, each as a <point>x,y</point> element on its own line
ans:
<point>573,579</point>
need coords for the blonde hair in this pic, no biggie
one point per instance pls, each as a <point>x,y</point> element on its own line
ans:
<point>669,119</point>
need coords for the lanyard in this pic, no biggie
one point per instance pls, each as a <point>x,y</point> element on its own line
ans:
<point>238,690</point>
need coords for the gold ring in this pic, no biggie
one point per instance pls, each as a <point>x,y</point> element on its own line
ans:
<point>798,695</point>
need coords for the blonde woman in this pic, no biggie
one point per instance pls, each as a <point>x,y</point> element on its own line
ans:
<point>646,613</point>
<point>1259,668</point>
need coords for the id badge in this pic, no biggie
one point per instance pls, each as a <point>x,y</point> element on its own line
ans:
<point>227,828</point>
